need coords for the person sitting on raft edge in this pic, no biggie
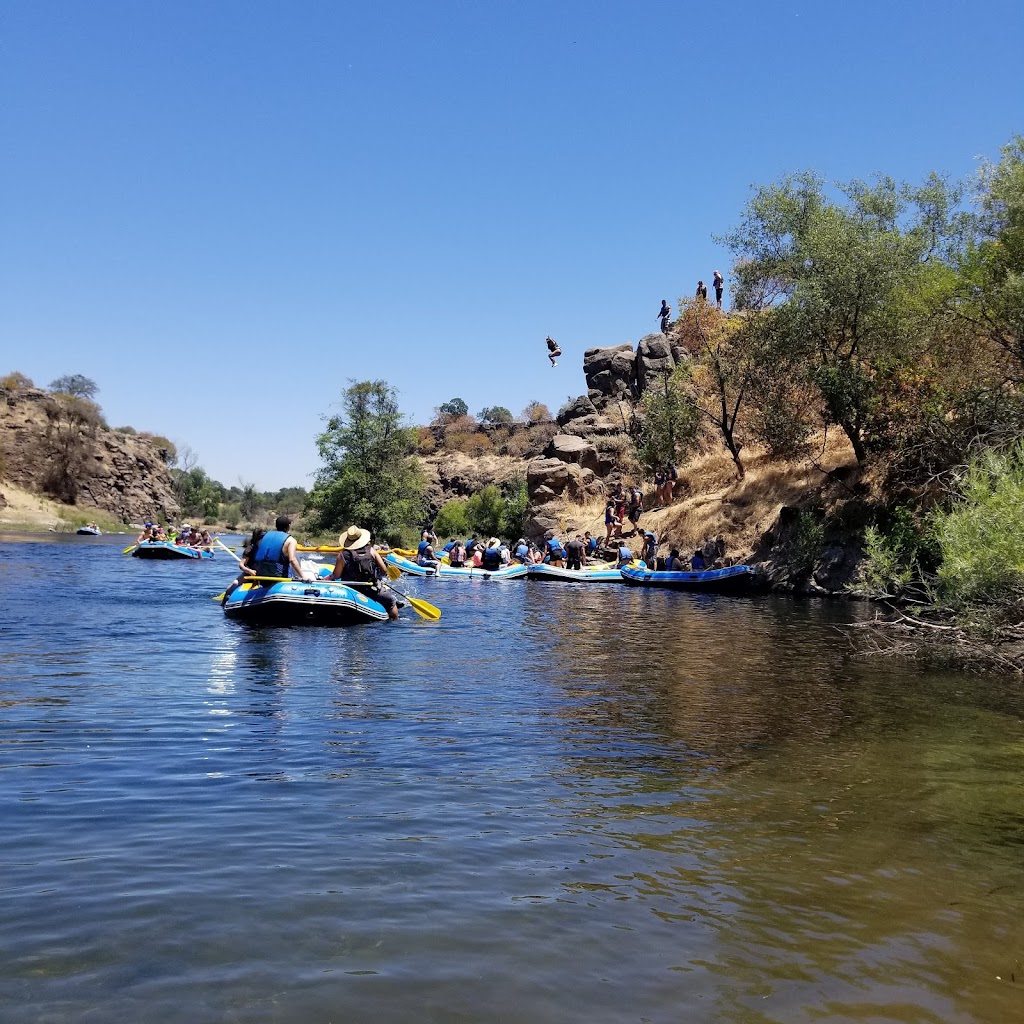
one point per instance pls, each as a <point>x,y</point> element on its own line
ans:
<point>625,556</point>
<point>358,562</point>
<point>554,552</point>
<point>275,553</point>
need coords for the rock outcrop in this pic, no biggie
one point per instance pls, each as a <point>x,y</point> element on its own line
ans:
<point>124,475</point>
<point>610,374</point>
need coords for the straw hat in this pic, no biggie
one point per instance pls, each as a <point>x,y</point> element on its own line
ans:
<point>493,542</point>
<point>353,537</point>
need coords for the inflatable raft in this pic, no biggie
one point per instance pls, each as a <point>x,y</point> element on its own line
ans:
<point>165,549</point>
<point>733,579</point>
<point>554,574</point>
<point>408,566</point>
<point>89,531</point>
<point>270,602</point>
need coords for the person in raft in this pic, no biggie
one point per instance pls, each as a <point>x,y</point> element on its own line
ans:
<point>275,554</point>
<point>650,549</point>
<point>589,544</point>
<point>625,556</point>
<point>491,558</point>
<point>427,539</point>
<point>575,556</point>
<point>718,283</point>
<point>554,552</point>
<point>553,350</point>
<point>359,562</point>
<point>663,315</point>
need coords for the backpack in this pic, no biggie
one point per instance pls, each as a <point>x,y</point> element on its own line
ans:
<point>360,565</point>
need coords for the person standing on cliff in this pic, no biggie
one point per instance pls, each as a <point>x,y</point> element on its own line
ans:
<point>702,291</point>
<point>553,350</point>
<point>663,314</point>
<point>719,284</point>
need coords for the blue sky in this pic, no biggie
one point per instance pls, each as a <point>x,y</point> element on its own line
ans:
<point>223,211</point>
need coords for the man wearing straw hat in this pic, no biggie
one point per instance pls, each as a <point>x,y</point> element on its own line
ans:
<point>359,562</point>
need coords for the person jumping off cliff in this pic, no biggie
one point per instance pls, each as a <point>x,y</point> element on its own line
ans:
<point>553,350</point>
<point>663,314</point>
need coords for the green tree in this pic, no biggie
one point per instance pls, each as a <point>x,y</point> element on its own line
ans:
<point>830,281</point>
<point>453,409</point>
<point>197,494</point>
<point>666,423</point>
<point>513,518</point>
<point>369,474</point>
<point>496,415</point>
<point>485,511</point>
<point>76,385</point>
<point>451,520</point>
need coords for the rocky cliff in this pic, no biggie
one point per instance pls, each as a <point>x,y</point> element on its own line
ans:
<point>53,445</point>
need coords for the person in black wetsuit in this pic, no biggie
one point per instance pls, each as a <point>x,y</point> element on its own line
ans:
<point>574,553</point>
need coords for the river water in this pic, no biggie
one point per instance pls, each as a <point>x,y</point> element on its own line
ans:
<point>557,804</point>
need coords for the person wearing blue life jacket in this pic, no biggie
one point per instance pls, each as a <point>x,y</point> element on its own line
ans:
<point>522,552</point>
<point>491,558</point>
<point>589,544</point>
<point>275,554</point>
<point>625,556</point>
<point>697,562</point>
<point>674,563</point>
<point>427,558</point>
<point>427,539</point>
<point>553,551</point>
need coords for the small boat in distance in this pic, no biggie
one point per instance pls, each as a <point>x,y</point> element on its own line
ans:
<point>167,550</point>
<point>89,530</point>
<point>733,579</point>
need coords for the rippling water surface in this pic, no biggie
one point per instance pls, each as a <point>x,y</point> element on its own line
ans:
<point>556,804</point>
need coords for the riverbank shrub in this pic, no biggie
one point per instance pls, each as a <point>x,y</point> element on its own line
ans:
<point>981,535</point>
<point>452,520</point>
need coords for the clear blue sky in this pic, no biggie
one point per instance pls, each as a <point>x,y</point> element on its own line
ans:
<point>222,211</point>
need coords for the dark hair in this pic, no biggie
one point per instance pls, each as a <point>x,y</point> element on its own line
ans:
<point>283,523</point>
<point>253,542</point>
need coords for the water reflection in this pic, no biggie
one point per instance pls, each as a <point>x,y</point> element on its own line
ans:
<point>556,804</point>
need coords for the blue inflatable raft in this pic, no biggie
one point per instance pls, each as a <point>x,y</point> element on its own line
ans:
<point>733,579</point>
<point>268,602</point>
<point>411,568</point>
<point>554,574</point>
<point>166,549</point>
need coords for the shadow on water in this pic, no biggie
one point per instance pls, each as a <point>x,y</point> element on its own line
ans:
<point>558,803</point>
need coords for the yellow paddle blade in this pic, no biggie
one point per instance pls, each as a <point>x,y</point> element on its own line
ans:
<point>131,547</point>
<point>424,608</point>
<point>394,573</point>
<point>219,597</point>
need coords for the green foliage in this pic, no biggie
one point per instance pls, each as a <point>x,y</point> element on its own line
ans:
<point>197,494</point>
<point>71,423</point>
<point>981,536</point>
<point>806,542</point>
<point>513,520</point>
<point>831,281</point>
<point>452,520</point>
<point>232,516</point>
<point>666,422</point>
<point>169,449</point>
<point>495,415</point>
<point>485,511</point>
<point>369,475</point>
<point>453,409</point>
<point>892,556</point>
<point>76,385</point>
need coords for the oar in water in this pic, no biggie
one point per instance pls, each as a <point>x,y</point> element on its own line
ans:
<point>424,609</point>
<point>221,543</point>
<point>131,547</point>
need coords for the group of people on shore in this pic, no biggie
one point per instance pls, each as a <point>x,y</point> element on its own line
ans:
<point>186,537</point>
<point>627,502</point>
<point>717,282</point>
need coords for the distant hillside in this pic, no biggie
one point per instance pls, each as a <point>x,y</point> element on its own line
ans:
<point>58,446</point>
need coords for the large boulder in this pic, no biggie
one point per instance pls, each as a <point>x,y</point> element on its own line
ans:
<point>571,448</point>
<point>578,408</point>
<point>610,373</point>
<point>654,358</point>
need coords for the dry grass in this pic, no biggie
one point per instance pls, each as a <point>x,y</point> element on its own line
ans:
<point>711,500</point>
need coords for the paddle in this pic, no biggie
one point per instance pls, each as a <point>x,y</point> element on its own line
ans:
<point>131,547</point>
<point>424,609</point>
<point>221,543</point>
